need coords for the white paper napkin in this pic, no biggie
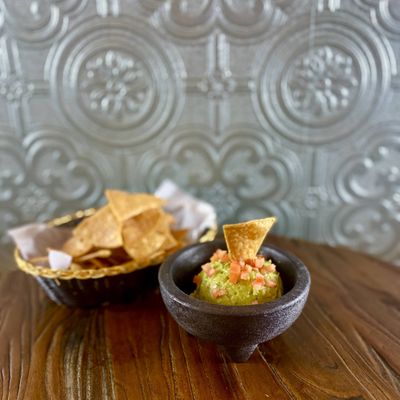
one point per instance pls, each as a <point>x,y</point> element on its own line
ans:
<point>190,213</point>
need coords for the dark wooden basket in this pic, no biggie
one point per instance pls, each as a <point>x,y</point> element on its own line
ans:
<point>94,287</point>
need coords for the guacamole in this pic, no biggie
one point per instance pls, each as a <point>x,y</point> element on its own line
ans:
<point>237,282</point>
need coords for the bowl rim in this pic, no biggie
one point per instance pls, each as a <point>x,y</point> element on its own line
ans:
<point>300,289</point>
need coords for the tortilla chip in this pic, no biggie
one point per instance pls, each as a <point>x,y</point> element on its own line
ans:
<point>181,237</point>
<point>103,253</point>
<point>140,225</point>
<point>131,263</point>
<point>119,256</point>
<point>244,239</point>
<point>98,263</point>
<point>132,229</point>
<point>180,234</point>
<point>75,267</point>
<point>158,258</point>
<point>165,221</point>
<point>141,250</point>
<point>101,229</point>
<point>94,263</point>
<point>77,246</point>
<point>127,205</point>
<point>169,241</point>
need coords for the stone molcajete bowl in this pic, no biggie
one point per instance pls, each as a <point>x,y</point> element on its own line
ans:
<point>237,329</point>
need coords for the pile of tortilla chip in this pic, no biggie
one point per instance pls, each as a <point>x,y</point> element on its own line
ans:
<point>245,239</point>
<point>131,228</point>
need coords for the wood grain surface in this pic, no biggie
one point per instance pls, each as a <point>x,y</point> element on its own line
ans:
<point>345,345</point>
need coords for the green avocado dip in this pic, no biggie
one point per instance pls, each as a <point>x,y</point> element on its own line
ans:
<point>237,282</point>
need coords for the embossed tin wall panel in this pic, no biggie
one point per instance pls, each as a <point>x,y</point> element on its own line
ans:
<point>262,107</point>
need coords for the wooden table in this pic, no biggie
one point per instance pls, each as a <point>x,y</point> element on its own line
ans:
<point>345,345</point>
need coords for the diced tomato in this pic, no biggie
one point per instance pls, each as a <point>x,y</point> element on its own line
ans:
<point>269,267</point>
<point>247,268</point>
<point>257,287</point>
<point>225,258</point>
<point>217,292</point>
<point>208,269</point>
<point>260,280</point>
<point>259,262</point>
<point>250,261</point>
<point>258,283</point>
<point>244,275</point>
<point>255,262</point>
<point>234,272</point>
<point>270,284</point>
<point>197,279</point>
<point>214,257</point>
<point>220,255</point>
<point>206,266</point>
